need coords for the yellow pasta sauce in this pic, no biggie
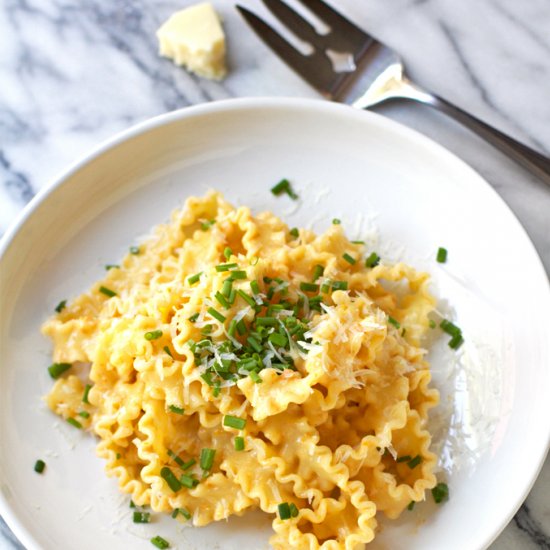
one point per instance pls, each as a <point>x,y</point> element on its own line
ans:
<point>235,364</point>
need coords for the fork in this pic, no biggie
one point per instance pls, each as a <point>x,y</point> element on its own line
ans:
<point>375,72</point>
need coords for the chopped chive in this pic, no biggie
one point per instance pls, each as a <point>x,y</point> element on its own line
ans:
<point>441,255</point>
<point>159,542</point>
<point>153,335</point>
<point>107,291</point>
<point>234,422</point>
<point>175,458</point>
<point>61,306</point>
<point>188,481</point>
<point>142,517</point>
<point>280,187</point>
<point>266,321</point>
<point>225,267</point>
<point>227,253</point>
<point>394,322</point>
<point>278,339</point>
<point>357,242</point>
<point>108,267</point>
<point>238,274</point>
<point>118,456</point>
<point>404,458</point>
<point>414,462</point>
<point>167,350</point>
<point>294,232</point>
<point>194,278</point>
<point>183,511</point>
<point>255,377</point>
<point>188,464</point>
<point>431,323</point>
<point>239,443</point>
<point>227,287</point>
<point>216,314</point>
<point>134,250</point>
<point>205,226</point>
<point>317,272</point>
<point>57,369</point>
<point>176,410</point>
<point>74,422</point>
<point>336,221</point>
<point>267,280</point>
<point>248,299</point>
<point>325,287</point>
<point>440,492</point>
<point>350,259</point>
<point>207,458</point>
<point>293,510</point>
<point>84,414</point>
<point>222,300</point>
<point>241,327</point>
<point>255,287</point>
<point>373,260</point>
<point>232,296</point>
<point>449,328</point>
<point>194,317</point>
<point>456,341</point>
<point>87,389</point>
<point>217,388</point>
<point>170,479</point>
<point>411,505</point>
<point>132,504</point>
<point>207,377</point>
<point>284,187</point>
<point>284,510</point>
<point>254,344</point>
<point>339,285</point>
<point>39,465</point>
<point>309,287</point>
<point>232,328</point>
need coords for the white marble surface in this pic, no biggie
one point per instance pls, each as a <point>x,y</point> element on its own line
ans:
<point>73,72</point>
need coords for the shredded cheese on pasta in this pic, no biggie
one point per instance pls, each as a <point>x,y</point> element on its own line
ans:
<point>335,405</point>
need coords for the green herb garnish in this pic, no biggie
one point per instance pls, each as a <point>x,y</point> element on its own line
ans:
<point>141,517</point>
<point>207,458</point>
<point>57,369</point>
<point>159,542</point>
<point>107,291</point>
<point>441,255</point>
<point>440,492</point>
<point>234,422</point>
<point>373,260</point>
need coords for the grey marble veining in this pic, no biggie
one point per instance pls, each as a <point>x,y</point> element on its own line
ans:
<point>73,72</point>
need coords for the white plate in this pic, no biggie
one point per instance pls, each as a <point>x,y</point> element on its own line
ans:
<point>348,164</point>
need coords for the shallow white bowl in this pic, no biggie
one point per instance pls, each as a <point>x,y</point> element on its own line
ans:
<point>493,427</point>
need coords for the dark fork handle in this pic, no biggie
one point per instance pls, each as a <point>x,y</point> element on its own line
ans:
<point>534,161</point>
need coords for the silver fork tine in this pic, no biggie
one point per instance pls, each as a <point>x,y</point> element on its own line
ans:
<point>295,22</point>
<point>315,68</point>
<point>344,34</point>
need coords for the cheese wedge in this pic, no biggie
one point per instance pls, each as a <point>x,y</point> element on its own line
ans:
<point>194,38</point>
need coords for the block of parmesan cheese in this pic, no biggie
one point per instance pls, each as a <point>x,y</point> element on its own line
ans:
<point>194,38</point>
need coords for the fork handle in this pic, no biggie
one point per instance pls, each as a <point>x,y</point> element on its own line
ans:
<point>530,159</point>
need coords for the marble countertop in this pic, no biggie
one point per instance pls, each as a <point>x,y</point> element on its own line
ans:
<point>73,72</point>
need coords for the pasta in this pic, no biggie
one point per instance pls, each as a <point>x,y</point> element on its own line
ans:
<point>235,364</point>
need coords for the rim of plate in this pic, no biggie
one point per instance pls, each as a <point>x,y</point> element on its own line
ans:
<point>261,103</point>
